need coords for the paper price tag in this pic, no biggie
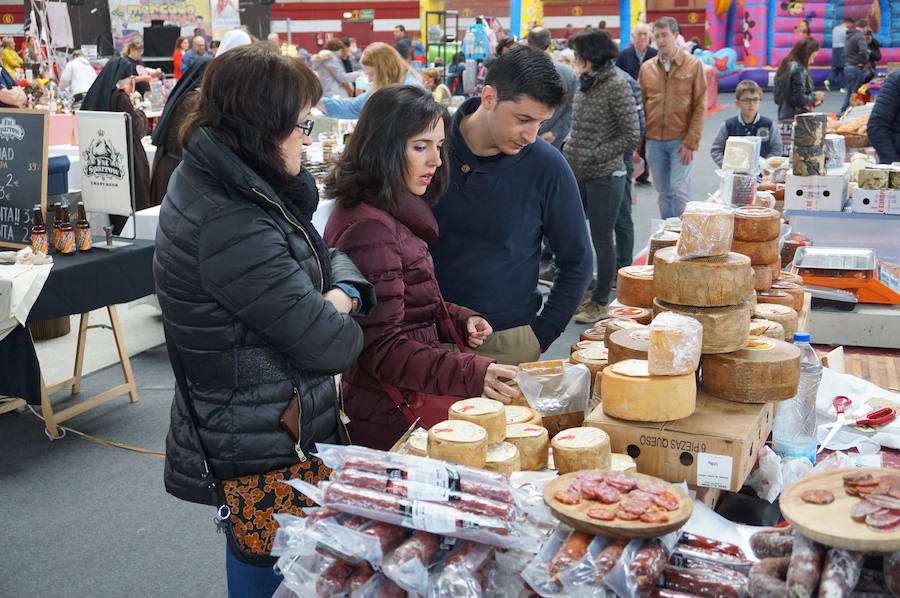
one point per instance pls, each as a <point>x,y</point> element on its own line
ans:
<point>436,519</point>
<point>866,460</point>
<point>714,471</point>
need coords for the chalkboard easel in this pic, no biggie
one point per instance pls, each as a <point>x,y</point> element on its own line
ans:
<point>23,172</point>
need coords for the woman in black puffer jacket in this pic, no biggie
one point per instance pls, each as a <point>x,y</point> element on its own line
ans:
<point>794,92</point>
<point>256,308</point>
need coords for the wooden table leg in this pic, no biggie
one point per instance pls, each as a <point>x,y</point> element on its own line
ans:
<point>123,353</point>
<point>47,412</point>
<point>79,352</point>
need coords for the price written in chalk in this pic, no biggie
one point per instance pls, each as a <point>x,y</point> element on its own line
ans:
<point>23,172</point>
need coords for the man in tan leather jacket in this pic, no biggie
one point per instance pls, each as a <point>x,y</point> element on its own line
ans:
<point>673,87</point>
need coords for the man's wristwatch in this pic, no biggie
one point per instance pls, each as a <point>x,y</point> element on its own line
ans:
<point>355,297</point>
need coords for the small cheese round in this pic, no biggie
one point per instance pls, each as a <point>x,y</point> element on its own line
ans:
<point>783,314</point>
<point>484,412</point>
<point>417,445</point>
<point>703,282</point>
<point>767,328</point>
<point>796,292</point>
<point>458,441</point>
<point>628,312</point>
<point>622,462</point>
<point>533,443</point>
<point>765,370</point>
<point>580,448</point>
<point>788,277</point>
<point>628,344</point>
<point>756,223</point>
<point>516,414</point>
<point>593,334</point>
<point>586,345</point>
<point>594,359</point>
<point>760,253</point>
<point>666,238</point>
<point>503,457</point>
<point>675,343</point>
<point>724,328</point>
<point>631,393</point>
<point>634,286</point>
<point>616,324</point>
<point>776,296</point>
<point>762,277</point>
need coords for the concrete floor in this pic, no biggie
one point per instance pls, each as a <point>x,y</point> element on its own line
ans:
<point>86,520</point>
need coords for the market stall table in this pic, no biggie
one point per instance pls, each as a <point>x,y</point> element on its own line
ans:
<point>77,285</point>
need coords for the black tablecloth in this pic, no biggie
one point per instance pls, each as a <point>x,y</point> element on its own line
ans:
<point>77,284</point>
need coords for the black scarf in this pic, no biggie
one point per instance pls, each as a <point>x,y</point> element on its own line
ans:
<point>587,80</point>
<point>188,83</point>
<point>98,96</point>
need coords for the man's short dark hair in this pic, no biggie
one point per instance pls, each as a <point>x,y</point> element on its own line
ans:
<point>539,38</point>
<point>666,23</point>
<point>862,23</point>
<point>529,72</point>
<point>848,19</point>
<point>594,46</point>
<point>400,27</point>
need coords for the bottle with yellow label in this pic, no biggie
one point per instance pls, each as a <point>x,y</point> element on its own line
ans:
<point>66,244</point>
<point>40,240</point>
<point>83,239</point>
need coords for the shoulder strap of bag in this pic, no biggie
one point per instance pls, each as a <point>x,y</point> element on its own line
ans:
<point>448,321</point>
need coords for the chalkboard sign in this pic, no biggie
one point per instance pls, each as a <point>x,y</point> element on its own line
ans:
<point>23,172</point>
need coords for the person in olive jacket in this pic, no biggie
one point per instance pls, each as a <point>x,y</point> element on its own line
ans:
<point>256,308</point>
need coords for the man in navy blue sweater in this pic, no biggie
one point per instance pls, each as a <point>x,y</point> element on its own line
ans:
<point>508,190</point>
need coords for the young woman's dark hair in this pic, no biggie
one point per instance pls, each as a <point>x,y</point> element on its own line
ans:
<point>373,165</point>
<point>253,120</point>
<point>526,71</point>
<point>504,44</point>
<point>800,53</point>
<point>595,47</point>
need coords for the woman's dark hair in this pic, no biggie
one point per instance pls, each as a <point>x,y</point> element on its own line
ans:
<point>458,58</point>
<point>373,165</point>
<point>529,72</point>
<point>253,120</point>
<point>800,53</point>
<point>504,44</point>
<point>335,45</point>
<point>595,47</point>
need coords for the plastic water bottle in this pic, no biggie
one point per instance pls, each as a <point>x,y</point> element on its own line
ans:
<point>794,429</point>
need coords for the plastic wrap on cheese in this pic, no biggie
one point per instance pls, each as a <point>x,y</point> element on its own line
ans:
<point>835,151</point>
<point>675,344</point>
<point>742,155</point>
<point>706,230</point>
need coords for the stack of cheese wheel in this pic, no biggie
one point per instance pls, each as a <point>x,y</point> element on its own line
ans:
<point>785,315</point>
<point>640,315</point>
<point>581,448</point>
<point>756,231</point>
<point>533,444</point>
<point>458,441</point>
<point>706,230</point>
<point>613,325</point>
<point>794,290</point>
<point>634,286</point>
<point>628,344</point>
<point>630,392</point>
<point>765,370</point>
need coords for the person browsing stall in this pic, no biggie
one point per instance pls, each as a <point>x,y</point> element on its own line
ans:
<point>198,49</point>
<point>508,190</point>
<point>327,64</point>
<point>259,314</point>
<point>793,91</point>
<point>884,122</point>
<point>555,130</point>
<point>748,122</point>
<point>78,76</point>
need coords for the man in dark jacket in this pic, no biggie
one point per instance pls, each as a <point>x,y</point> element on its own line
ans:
<point>555,130</point>
<point>508,190</point>
<point>630,61</point>
<point>884,122</point>
<point>402,44</point>
<point>856,59</point>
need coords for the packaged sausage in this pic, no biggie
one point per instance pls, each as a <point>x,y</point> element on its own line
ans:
<point>711,556</point>
<point>538,573</point>
<point>641,566</point>
<point>586,577</point>
<point>701,579</point>
<point>461,575</point>
<point>408,564</point>
<point>706,230</point>
<point>675,345</point>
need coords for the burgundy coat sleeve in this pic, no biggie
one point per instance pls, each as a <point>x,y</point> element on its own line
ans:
<point>459,315</point>
<point>389,354</point>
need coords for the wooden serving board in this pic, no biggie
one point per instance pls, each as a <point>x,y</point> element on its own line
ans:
<point>576,515</point>
<point>831,524</point>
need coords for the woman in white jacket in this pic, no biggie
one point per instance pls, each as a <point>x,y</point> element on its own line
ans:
<point>336,82</point>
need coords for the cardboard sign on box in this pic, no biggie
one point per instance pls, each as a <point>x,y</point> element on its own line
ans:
<point>880,201</point>
<point>716,447</point>
<point>824,193</point>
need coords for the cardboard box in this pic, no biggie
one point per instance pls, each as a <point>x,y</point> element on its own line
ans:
<point>881,201</point>
<point>824,193</point>
<point>716,447</point>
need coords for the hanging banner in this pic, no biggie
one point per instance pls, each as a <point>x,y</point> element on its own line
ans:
<point>103,145</point>
<point>129,17</point>
<point>225,17</point>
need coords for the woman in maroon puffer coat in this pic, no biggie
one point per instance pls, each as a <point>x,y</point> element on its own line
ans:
<point>384,182</point>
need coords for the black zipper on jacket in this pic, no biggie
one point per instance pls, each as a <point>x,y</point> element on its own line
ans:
<point>299,227</point>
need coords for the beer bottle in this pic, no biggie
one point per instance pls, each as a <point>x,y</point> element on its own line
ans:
<point>57,219</point>
<point>83,238</point>
<point>66,233</point>
<point>39,238</point>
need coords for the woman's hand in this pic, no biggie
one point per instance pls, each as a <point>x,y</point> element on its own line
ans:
<point>478,329</point>
<point>340,300</point>
<point>494,388</point>
<point>820,97</point>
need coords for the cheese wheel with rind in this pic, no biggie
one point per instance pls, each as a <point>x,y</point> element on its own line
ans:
<point>628,344</point>
<point>756,223</point>
<point>594,359</point>
<point>703,282</point>
<point>631,393</point>
<point>759,327</point>
<point>706,230</point>
<point>724,328</point>
<point>458,441</point>
<point>634,286</point>
<point>517,414</point>
<point>796,292</point>
<point>417,444</point>
<point>776,296</point>
<point>788,277</point>
<point>616,324</point>
<point>533,443</point>
<point>775,266</point>
<point>503,457</point>
<point>581,448</point>
<point>762,278</point>
<point>640,315</point>
<point>765,371</point>
<point>593,334</point>
<point>783,314</point>
<point>487,413</point>
<point>586,345</point>
<point>675,343</point>
<point>760,253</point>
<point>666,238</point>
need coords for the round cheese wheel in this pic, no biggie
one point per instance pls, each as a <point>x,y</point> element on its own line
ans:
<point>595,359</point>
<point>783,314</point>
<point>628,344</point>
<point>751,299</point>
<point>484,412</point>
<point>759,327</point>
<point>765,370</point>
<point>762,278</point>
<point>760,253</point>
<point>774,296</point>
<point>634,285</point>
<point>580,448</point>
<point>795,290</point>
<point>533,443</point>
<point>516,414</point>
<point>788,277</point>
<point>503,457</point>
<point>724,328</point>
<point>702,282</point>
<point>775,266</point>
<point>666,238</point>
<point>756,223</point>
<point>622,462</point>
<point>586,345</point>
<point>629,312</point>
<point>631,393</point>
<point>417,444</point>
<point>458,441</point>
<point>593,334</point>
<point>616,324</point>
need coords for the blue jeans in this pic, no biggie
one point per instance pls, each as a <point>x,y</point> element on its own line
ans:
<point>837,67</point>
<point>247,581</point>
<point>855,77</point>
<point>671,178</point>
